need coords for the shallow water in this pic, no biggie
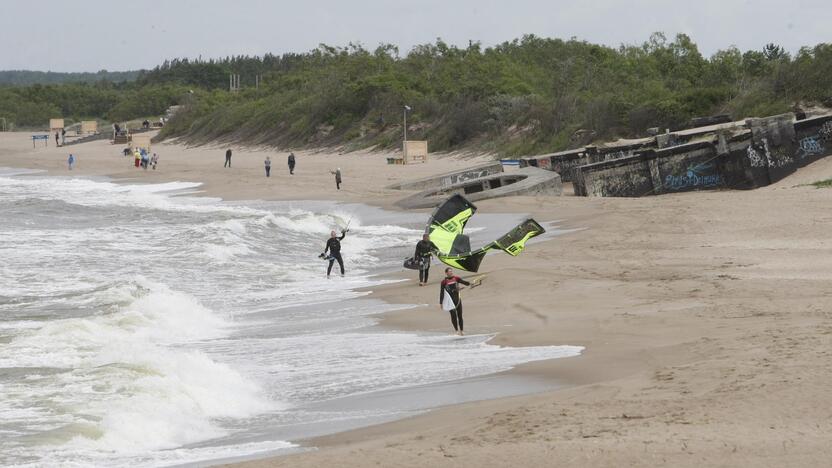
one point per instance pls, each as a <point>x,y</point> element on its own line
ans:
<point>140,327</point>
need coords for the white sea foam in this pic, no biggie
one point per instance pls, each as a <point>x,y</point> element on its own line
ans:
<point>140,328</point>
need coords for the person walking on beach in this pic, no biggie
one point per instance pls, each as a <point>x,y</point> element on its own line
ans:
<point>63,136</point>
<point>227,158</point>
<point>145,160</point>
<point>138,157</point>
<point>423,250</point>
<point>291,163</point>
<point>57,142</point>
<point>154,160</point>
<point>333,246</point>
<point>70,160</point>
<point>268,164</point>
<point>337,173</point>
<point>449,298</point>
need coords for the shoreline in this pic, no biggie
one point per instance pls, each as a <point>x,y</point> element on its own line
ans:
<point>704,318</point>
<point>502,384</point>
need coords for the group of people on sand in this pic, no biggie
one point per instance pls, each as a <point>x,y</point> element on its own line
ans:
<point>290,161</point>
<point>449,287</point>
<point>142,158</point>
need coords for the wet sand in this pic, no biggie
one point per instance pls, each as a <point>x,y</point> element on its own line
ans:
<point>706,318</point>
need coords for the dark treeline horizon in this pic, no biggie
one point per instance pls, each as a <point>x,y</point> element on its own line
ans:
<point>522,96</point>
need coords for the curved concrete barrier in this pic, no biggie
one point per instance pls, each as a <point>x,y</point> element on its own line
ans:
<point>525,181</point>
<point>450,178</point>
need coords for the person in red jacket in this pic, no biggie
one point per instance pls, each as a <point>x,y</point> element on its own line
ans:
<point>449,298</point>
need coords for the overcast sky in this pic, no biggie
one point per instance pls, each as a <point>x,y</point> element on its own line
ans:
<point>89,35</point>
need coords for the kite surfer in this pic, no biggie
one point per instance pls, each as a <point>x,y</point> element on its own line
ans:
<point>449,298</point>
<point>423,250</point>
<point>333,246</point>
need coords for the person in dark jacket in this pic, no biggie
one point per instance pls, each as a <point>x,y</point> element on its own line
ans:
<point>227,158</point>
<point>337,173</point>
<point>450,287</point>
<point>423,250</point>
<point>333,246</point>
<point>291,163</point>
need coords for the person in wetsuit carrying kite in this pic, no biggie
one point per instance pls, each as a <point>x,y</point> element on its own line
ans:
<point>424,248</point>
<point>449,298</point>
<point>333,246</point>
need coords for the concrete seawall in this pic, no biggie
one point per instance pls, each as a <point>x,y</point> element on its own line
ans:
<point>727,156</point>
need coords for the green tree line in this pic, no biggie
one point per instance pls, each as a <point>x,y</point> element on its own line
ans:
<point>524,96</point>
<point>30,77</point>
<point>528,95</point>
<point>33,106</point>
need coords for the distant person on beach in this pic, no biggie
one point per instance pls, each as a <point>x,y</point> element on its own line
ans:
<point>70,160</point>
<point>117,129</point>
<point>63,136</point>
<point>333,246</point>
<point>291,163</point>
<point>268,164</point>
<point>57,142</point>
<point>423,250</point>
<point>138,157</point>
<point>145,159</point>
<point>449,298</point>
<point>337,173</point>
<point>227,158</point>
<point>154,160</point>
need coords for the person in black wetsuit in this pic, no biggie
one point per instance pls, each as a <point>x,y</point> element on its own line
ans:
<point>291,161</point>
<point>423,250</point>
<point>227,158</point>
<point>450,286</point>
<point>333,246</point>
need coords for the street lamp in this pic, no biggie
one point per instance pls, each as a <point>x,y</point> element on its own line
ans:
<point>406,109</point>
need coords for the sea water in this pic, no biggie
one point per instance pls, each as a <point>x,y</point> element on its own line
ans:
<point>142,326</point>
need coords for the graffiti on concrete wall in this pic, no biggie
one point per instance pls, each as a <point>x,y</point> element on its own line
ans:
<point>566,166</point>
<point>825,132</point>
<point>776,157</point>
<point>809,146</point>
<point>765,157</point>
<point>702,175</point>
<point>465,176</point>
<point>755,158</point>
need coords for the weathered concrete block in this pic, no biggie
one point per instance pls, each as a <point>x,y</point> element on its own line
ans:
<point>524,181</point>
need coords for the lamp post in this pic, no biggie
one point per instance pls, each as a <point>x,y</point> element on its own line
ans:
<point>406,109</point>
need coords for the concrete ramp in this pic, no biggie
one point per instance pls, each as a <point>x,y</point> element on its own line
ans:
<point>525,181</point>
<point>450,178</point>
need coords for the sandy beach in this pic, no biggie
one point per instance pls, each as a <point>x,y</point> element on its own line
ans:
<point>705,316</point>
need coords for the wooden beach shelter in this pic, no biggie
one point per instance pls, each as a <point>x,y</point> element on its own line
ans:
<point>89,127</point>
<point>56,124</point>
<point>415,151</point>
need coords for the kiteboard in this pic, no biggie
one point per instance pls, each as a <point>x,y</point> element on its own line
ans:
<point>448,303</point>
<point>411,263</point>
